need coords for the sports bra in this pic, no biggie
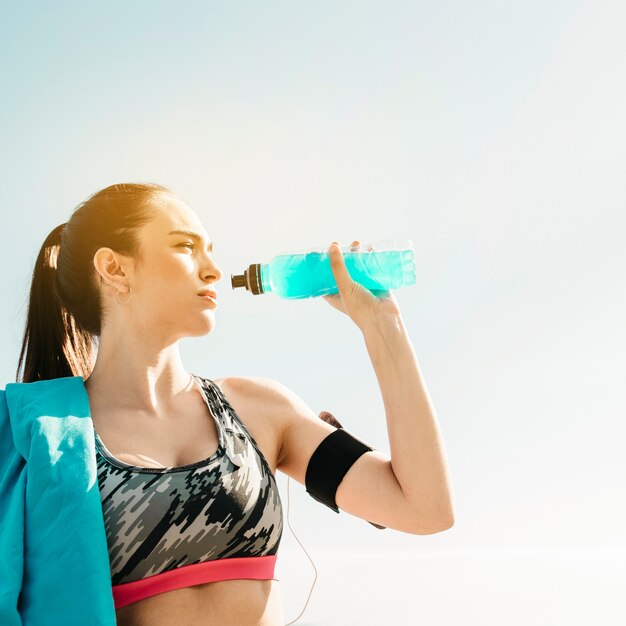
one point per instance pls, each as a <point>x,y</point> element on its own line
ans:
<point>220,518</point>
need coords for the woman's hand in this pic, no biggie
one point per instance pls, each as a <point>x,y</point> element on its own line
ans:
<point>357,302</point>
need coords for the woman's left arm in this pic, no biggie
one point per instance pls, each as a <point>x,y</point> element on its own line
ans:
<point>417,453</point>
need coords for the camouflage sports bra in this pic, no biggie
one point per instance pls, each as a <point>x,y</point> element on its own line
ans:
<point>217,519</point>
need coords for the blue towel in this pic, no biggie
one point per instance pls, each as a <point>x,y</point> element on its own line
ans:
<point>54,561</point>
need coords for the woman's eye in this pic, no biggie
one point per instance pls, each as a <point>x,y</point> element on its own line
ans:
<point>189,246</point>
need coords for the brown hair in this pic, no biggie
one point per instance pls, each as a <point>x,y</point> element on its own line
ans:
<point>65,307</point>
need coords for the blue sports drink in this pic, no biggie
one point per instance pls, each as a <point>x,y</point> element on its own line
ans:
<point>378,266</point>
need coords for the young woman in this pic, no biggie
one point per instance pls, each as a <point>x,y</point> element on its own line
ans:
<point>186,464</point>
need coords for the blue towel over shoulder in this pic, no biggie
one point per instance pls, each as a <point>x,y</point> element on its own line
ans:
<point>54,562</point>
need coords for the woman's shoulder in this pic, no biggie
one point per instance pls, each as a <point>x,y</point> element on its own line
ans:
<point>269,396</point>
<point>272,400</point>
<point>259,395</point>
<point>259,407</point>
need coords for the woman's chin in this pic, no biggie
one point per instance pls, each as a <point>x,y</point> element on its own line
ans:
<point>205,328</point>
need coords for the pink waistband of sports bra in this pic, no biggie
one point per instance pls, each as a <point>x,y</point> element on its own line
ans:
<point>256,567</point>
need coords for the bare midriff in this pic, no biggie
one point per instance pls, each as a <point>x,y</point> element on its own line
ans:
<point>242,602</point>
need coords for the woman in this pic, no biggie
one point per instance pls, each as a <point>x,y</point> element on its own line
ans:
<point>186,464</point>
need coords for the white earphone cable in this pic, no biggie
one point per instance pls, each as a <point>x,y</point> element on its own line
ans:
<point>310,559</point>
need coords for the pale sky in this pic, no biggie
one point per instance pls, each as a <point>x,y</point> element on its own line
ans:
<point>491,134</point>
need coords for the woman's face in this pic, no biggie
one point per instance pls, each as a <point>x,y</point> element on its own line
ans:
<point>175,266</point>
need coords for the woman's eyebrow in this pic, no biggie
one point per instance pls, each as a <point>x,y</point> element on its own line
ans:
<point>191,234</point>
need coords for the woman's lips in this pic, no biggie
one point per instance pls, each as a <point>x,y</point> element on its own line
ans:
<point>208,297</point>
<point>208,292</point>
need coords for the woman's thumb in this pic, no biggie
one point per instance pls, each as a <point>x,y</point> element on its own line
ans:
<point>340,271</point>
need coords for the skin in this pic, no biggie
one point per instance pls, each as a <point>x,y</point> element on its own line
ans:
<point>149,411</point>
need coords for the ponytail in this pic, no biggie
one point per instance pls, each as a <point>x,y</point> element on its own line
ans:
<point>63,349</point>
<point>65,307</point>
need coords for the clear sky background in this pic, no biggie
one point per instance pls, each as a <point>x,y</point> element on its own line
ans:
<point>492,134</point>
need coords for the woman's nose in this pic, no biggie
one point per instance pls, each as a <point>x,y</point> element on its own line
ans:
<point>214,270</point>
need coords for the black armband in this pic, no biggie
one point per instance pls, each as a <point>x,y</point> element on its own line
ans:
<point>331,461</point>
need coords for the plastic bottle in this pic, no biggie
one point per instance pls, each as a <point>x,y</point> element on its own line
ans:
<point>378,266</point>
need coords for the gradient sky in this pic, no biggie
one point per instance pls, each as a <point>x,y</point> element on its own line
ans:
<point>492,134</point>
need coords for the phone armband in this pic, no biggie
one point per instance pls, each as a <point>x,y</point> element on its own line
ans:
<point>331,461</point>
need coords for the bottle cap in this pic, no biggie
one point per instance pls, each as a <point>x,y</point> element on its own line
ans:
<point>250,279</point>
<point>238,280</point>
